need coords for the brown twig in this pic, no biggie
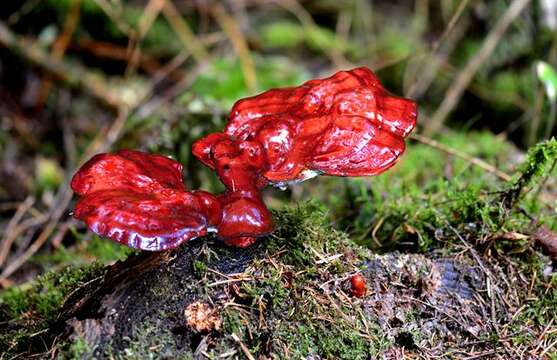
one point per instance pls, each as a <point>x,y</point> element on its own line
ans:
<point>425,71</point>
<point>452,23</point>
<point>150,14</point>
<point>243,346</point>
<point>471,159</point>
<point>72,75</point>
<point>186,35</point>
<point>466,75</point>
<point>148,63</point>
<point>59,47</point>
<point>55,213</point>
<point>10,234</point>
<point>115,14</point>
<point>234,33</point>
<point>113,51</point>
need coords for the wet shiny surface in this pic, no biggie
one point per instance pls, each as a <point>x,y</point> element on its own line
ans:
<point>243,214</point>
<point>358,286</point>
<point>345,125</point>
<point>140,200</point>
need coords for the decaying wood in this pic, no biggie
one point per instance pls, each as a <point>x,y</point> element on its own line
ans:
<point>110,313</point>
<point>150,288</point>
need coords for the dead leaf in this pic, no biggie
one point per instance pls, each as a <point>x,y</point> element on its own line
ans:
<point>201,317</point>
<point>547,239</point>
<point>510,235</point>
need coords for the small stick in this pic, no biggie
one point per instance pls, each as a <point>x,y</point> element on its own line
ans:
<point>184,32</point>
<point>239,42</point>
<point>10,233</point>
<point>464,78</point>
<point>73,76</point>
<point>547,349</point>
<point>150,14</point>
<point>243,346</point>
<point>59,47</point>
<point>471,159</point>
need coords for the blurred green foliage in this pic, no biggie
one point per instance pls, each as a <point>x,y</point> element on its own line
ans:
<point>222,84</point>
<point>426,197</point>
<point>287,35</point>
<point>48,174</point>
<point>548,76</point>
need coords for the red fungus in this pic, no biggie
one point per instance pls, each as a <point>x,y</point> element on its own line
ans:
<point>344,125</point>
<point>140,200</point>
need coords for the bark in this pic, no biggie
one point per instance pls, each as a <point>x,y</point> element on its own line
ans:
<point>149,288</point>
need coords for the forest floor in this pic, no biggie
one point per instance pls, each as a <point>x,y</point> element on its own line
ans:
<point>457,243</point>
<point>464,276</point>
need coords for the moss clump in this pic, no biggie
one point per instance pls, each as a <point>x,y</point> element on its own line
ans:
<point>105,251</point>
<point>430,195</point>
<point>33,309</point>
<point>78,349</point>
<point>305,230</point>
<point>327,340</point>
<point>44,297</point>
<point>199,268</point>
<point>539,163</point>
<point>102,250</point>
<point>148,339</point>
<point>292,301</point>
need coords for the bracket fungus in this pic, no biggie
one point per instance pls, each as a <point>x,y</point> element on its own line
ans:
<point>344,125</point>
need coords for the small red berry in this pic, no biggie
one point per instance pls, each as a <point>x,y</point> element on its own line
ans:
<point>358,286</point>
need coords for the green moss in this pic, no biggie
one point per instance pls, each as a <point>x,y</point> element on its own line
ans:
<point>148,342</point>
<point>45,296</point>
<point>199,268</point>
<point>417,208</point>
<point>301,317</point>
<point>223,82</point>
<point>317,236</point>
<point>82,253</point>
<point>539,163</point>
<point>33,308</point>
<point>325,340</point>
<point>78,349</point>
<point>106,251</point>
<point>287,34</point>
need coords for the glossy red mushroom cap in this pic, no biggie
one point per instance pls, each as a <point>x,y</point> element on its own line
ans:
<point>344,125</point>
<point>140,200</point>
<point>358,286</point>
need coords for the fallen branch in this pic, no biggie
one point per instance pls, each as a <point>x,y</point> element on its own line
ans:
<point>471,159</point>
<point>464,78</point>
<point>72,75</point>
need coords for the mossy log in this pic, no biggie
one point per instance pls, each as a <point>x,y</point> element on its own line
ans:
<point>288,296</point>
<point>139,306</point>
